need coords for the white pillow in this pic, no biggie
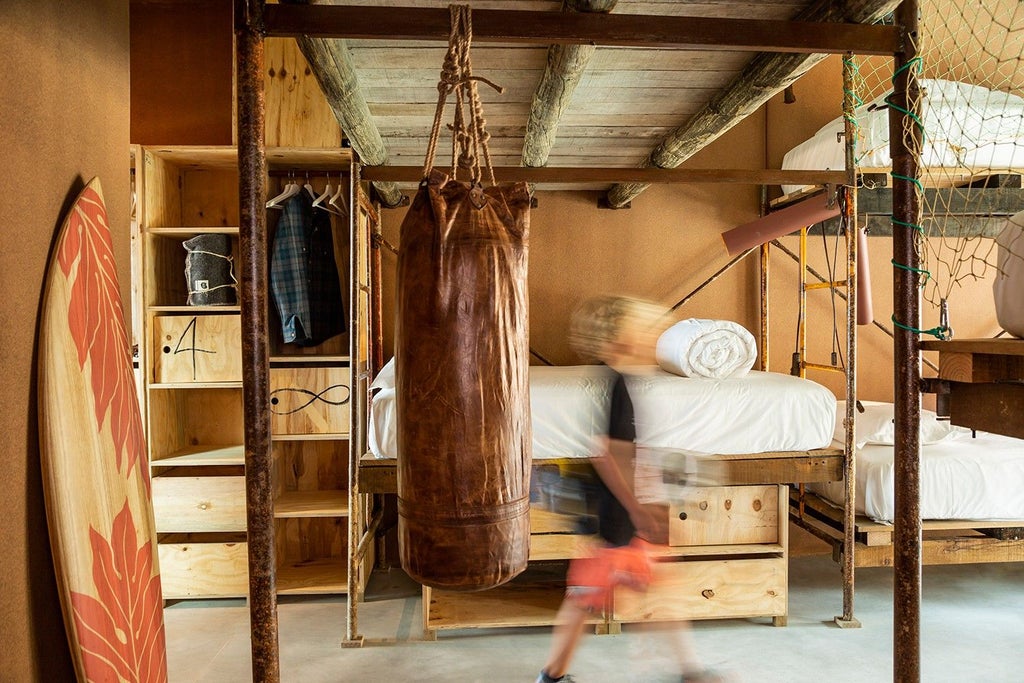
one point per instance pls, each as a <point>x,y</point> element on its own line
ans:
<point>876,425</point>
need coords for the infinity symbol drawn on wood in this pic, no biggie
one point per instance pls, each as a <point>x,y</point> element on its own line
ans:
<point>313,398</point>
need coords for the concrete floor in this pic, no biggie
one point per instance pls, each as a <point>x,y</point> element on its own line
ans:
<point>972,629</point>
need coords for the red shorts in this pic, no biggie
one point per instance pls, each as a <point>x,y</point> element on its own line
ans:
<point>591,579</point>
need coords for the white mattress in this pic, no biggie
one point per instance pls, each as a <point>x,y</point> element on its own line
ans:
<point>961,478</point>
<point>966,127</point>
<point>751,414</point>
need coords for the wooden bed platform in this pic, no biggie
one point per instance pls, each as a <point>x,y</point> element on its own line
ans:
<point>944,541</point>
<point>379,475</point>
<point>727,555</point>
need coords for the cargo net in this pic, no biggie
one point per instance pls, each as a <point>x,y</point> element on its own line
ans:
<point>970,138</point>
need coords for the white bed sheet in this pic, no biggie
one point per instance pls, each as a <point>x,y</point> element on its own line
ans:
<point>755,413</point>
<point>966,127</point>
<point>961,478</point>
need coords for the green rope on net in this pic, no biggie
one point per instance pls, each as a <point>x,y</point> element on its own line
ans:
<point>912,269</point>
<point>937,332</point>
<point>917,63</point>
<point>912,226</point>
<point>916,181</point>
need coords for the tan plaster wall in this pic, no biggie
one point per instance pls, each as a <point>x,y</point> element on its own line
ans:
<point>64,114</point>
<point>661,248</point>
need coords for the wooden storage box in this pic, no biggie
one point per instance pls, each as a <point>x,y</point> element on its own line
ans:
<point>199,503</point>
<point>197,348</point>
<point>310,401</point>
<point>705,589</point>
<point>215,567</point>
<point>721,515</point>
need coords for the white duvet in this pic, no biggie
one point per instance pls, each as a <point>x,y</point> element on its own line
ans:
<point>716,349</point>
<point>965,126</point>
<point>752,414</point>
<point>961,478</point>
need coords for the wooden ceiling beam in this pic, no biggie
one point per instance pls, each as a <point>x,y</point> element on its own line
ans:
<point>332,66</point>
<point>563,174</point>
<point>582,28</point>
<point>765,76</point>
<point>565,67</point>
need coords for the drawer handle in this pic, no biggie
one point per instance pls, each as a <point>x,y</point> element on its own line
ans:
<point>682,515</point>
<point>708,593</point>
<point>204,506</point>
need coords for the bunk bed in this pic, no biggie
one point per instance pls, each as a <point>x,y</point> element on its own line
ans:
<point>703,443</point>
<point>760,79</point>
<point>971,493</point>
<point>970,136</point>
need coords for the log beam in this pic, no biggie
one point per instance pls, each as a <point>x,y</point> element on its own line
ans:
<point>334,70</point>
<point>566,64</point>
<point>765,76</point>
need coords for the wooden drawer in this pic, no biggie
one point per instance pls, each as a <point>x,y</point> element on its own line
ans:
<point>204,570</point>
<point>719,515</point>
<point>197,348</point>
<point>309,401</point>
<point>708,589</point>
<point>211,503</point>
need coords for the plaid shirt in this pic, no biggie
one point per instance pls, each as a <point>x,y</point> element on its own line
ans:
<point>304,275</point>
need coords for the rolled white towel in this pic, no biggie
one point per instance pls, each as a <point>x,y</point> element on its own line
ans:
<point>717,349</point>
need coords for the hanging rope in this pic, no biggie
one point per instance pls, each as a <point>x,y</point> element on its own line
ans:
<point>469,134</point>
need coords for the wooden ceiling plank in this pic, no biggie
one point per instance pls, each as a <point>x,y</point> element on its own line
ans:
<point>579,28</point>
<point>766,75</point>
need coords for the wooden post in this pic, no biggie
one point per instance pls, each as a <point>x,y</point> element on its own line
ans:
<point>252,287</point>
<point>849,192</point>
<point>906,144</point>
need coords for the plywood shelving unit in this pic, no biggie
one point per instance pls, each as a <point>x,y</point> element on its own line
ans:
<point>190,358</point>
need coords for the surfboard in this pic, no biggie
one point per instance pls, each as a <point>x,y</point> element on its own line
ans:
<point>93,455</point>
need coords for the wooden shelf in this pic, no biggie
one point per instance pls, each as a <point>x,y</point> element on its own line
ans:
<point>310,437</point>
<point>325,361</point>
<point>311,504</point>
<point>175,308</point>
<point>226,157</point>
<point>197,385</point>
<point>188,231</point>
<point>204,455</point>
<point>317,577</point>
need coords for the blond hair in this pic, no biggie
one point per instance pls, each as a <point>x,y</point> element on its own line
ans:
<point>603,319</point>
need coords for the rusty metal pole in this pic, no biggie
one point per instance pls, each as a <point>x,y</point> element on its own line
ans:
<point>252,167</point>
<point>849,191</point>
<point>906,145</point>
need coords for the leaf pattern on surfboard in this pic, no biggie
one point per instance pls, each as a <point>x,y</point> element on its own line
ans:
<point>96,321</point>
<point>121,632</point>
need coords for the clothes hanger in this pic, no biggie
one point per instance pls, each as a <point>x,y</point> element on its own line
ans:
<point>291,189</point>
<point>325,196</point>
<point>308,187</point>
<point>342,208</point>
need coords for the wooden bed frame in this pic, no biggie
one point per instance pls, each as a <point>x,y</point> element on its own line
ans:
<point>735,566</point>
<point>251,26</point>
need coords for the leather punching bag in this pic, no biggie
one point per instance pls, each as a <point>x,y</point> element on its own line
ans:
<point>462,372</point>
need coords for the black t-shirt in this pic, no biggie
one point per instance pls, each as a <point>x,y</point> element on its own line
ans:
<point>614,525</point>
